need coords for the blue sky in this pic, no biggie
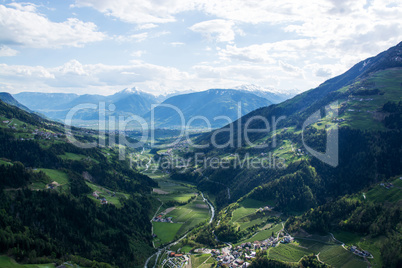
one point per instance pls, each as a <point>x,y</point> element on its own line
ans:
<point>159,46</point>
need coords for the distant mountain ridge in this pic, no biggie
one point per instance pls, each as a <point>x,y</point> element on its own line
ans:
<point>57,105</point>
<point>132,101</point>
<point>207,105</point>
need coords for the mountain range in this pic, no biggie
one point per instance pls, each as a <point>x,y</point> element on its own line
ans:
<point>206,106</point>
<point>215,102</point>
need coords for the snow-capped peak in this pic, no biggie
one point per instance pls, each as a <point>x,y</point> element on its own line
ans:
<point>132,90</point>
<point>250,87</point>
<point>255,88</point>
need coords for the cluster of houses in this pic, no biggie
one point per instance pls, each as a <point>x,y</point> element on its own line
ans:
<point>46,135</point>
<point>266,208</point>
<point>102,200</point>
<point>181,146</point>
<point>361,253</point>
<point>161,218</point>
<point>338,120</point>
<point>360,99</point>
<point>236,257</point>
<point>387,185</point>
<point>230,257</point>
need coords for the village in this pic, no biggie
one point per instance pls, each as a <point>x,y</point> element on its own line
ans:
<point>231,256</point>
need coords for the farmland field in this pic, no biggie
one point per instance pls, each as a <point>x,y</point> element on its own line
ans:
<point>165,231</point>
<point>190,215</point>
<point>287,252</point>
<point>181,198</point>
<point>330,252</point>
<point>199,259</point>
<point>262,235</point>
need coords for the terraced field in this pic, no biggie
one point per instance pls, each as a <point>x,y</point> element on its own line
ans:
<point>330,252</point>
<point>287,252</point>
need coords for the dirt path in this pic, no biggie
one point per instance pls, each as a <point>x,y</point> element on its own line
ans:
<point>318,257</point>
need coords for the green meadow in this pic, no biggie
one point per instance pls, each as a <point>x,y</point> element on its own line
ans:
<point>6,262</point>
<point>166,232</point>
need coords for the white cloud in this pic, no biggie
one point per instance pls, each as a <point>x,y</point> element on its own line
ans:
<point>291,69</point>
<point>74,76</point>
<point>146,26</point>
<point>23,25</point>
<point>138,53</point>
<point>6,51</point>
<point>23,72</point>
<point>219,30</point>
<point>253,53</point>
<point>134,37</point>
<point>177,44</point>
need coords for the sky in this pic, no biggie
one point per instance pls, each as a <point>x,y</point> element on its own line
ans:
<point>161,46</point>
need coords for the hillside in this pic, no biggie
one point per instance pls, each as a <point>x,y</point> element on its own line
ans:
<point>51,195</point>
<point>364,98</point>
<point>208,105</point>
<point>8,98</point>
<point>366,116</point>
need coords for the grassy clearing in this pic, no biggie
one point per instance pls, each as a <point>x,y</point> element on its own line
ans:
<point>347,237</point>
<point>2,162</point>
<point>55,175</point>
<point>71,156</point>
<point>111,197</point>
<point>165,232</point>
<point>247,207</point>
<point>186,249</point>
<point>6,262</point>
